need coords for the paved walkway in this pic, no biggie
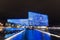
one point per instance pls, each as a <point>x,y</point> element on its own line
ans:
<point>29,34</point>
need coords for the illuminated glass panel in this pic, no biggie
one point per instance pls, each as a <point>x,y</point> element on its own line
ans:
<point>23,22</point>
<point>37,19</point>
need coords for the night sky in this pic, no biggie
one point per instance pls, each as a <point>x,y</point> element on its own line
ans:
<point>19,9</point>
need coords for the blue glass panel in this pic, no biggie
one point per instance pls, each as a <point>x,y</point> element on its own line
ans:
<point>23,22</point>
<point>37,19</point>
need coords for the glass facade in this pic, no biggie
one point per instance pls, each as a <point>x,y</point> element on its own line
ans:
<point>38,19</point>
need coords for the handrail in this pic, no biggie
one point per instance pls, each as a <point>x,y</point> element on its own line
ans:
<point>14,35</point>
<point>49,33</point>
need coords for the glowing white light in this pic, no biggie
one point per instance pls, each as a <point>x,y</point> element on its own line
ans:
<point>49,34</point>
<point>14,35</point>
<point>30,18</point>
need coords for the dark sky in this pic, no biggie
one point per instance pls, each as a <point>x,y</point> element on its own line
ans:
<point>19,9</point>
